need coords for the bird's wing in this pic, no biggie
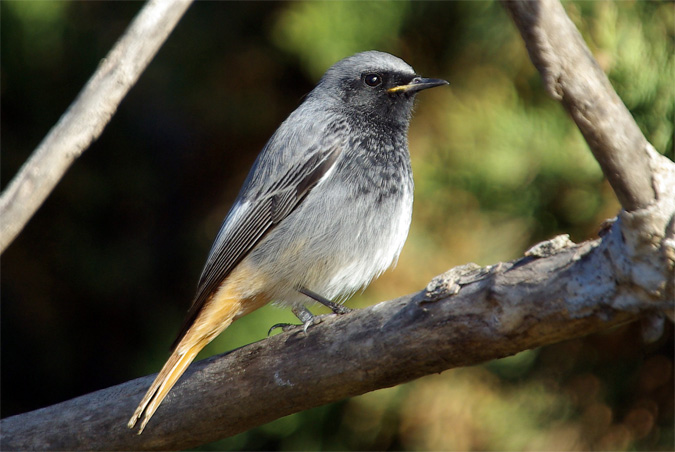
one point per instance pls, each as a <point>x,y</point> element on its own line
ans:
<point>253,217</point>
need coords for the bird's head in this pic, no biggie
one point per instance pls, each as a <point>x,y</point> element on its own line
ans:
<point>374,83</point>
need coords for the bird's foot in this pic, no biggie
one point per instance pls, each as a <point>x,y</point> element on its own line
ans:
<point>302,313</point>
<point>307,318</point>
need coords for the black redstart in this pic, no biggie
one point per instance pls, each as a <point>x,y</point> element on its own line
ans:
<point>325,209</point>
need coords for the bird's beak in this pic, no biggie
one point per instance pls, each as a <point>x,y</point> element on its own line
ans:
<point>417,84</point>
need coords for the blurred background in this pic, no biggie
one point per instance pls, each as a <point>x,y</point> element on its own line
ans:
<point>96,286</point>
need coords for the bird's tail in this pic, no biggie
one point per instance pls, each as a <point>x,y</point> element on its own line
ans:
<point>216,315</point>
<point>177,363</point>
<point>208,321</point>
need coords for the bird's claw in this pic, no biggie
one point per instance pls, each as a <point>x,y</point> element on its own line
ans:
<point>285,327</point>
<point>306,317</point>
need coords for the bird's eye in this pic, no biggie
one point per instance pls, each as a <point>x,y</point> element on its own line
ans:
<point>372,79</point>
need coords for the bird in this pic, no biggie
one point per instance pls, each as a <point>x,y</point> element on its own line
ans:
<point>325,209</point>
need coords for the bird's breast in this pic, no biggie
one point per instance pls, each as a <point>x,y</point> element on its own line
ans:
<point>349,228</point>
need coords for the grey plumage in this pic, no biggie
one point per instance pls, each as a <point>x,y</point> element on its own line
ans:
<point>324,210</point>
<point>336,177</point>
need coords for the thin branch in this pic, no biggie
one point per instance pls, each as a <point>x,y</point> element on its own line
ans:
<point>572,76</point>
<point>641,178</point>
<point>466,316</point>
<point>85,119</point>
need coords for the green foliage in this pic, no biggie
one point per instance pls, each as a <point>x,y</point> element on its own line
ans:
<point>43,24</point>
<point>636,49</point>
<point>320,33</point>
<point>113,256</point>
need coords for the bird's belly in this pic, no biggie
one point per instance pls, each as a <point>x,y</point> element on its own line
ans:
<point>333,247</point>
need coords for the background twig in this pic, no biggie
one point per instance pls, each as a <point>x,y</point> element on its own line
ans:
<point>469,315</point>
<point>572,76</point>
<point>86,118</point>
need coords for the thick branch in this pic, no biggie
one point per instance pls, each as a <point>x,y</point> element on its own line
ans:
<point>571,75</point>
<point>467,316</point>
<point>85,119</point>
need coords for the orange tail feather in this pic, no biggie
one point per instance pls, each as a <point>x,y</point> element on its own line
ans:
<point>167,377</point>
<point>212,320</point>
<point>224,306</point>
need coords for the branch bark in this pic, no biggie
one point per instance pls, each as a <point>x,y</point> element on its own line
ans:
<point>572,76</point>
<point>464,317</point>
<point>469,315</point>
<point>87,116</point>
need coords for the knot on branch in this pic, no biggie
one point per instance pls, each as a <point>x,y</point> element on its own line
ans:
<point>450,282</point>
<point>647,236</point>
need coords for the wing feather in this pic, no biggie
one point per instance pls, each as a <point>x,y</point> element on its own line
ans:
<point>249,221</point>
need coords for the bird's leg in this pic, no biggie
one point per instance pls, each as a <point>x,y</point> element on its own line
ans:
<point>336,308</point>
<point>306,317</point>
<point>303,314</point>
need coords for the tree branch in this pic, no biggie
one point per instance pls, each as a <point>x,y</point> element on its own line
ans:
<point>572,76</point>
<point>469,315</point>
<point>632,166</point>
<point>464,317</point>
<point>86,117</point>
